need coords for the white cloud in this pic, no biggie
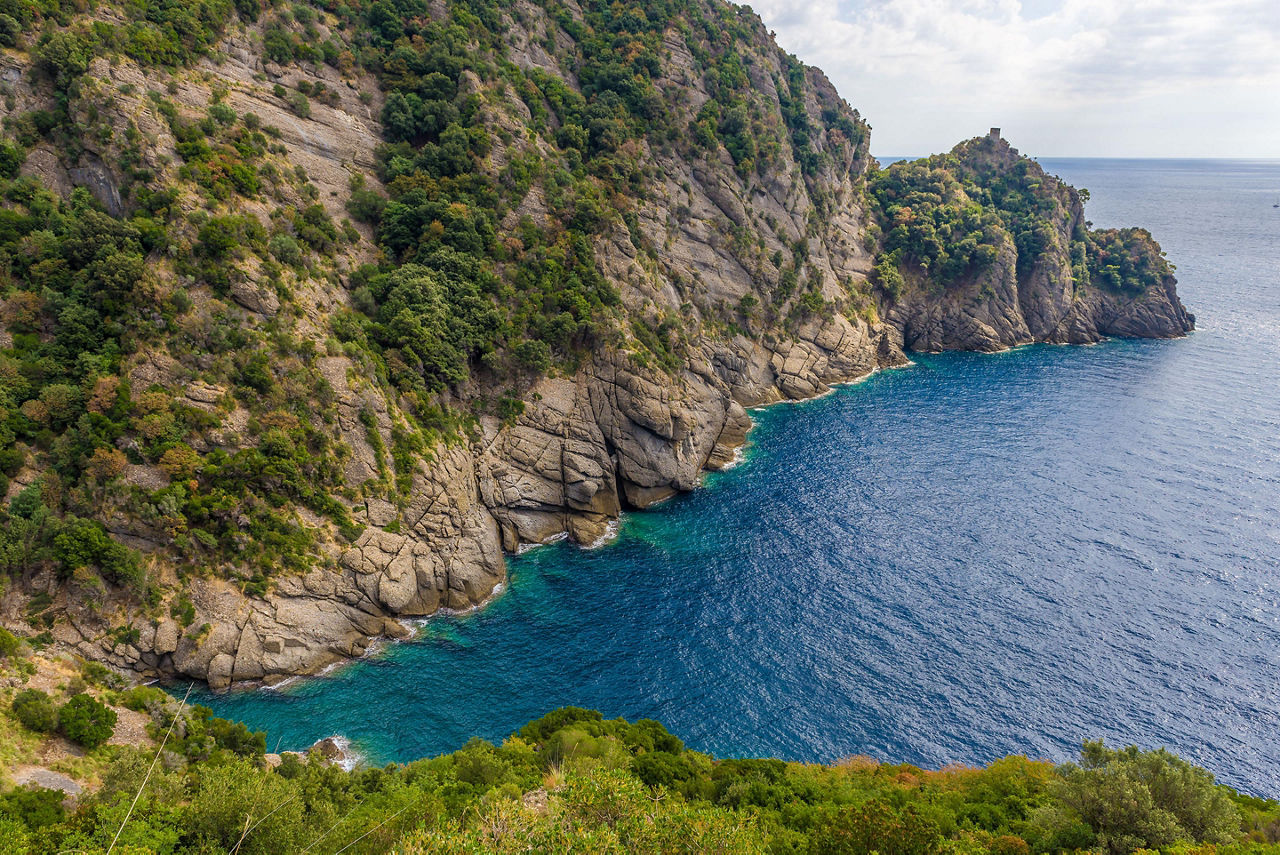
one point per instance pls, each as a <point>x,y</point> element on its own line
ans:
<point>917,64</point>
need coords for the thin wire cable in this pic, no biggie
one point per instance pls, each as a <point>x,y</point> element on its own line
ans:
<point>151,768</point>
<point>248,817</point>
<point>332,827</point>
<point>260,821</point>
<point>372,830</point>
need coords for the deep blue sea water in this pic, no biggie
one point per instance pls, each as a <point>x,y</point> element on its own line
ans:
<point>977,555</point>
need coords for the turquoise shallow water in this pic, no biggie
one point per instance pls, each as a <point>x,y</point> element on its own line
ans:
<point>973,556</point>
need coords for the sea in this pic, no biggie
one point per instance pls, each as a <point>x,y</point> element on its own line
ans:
<point>972,556</point>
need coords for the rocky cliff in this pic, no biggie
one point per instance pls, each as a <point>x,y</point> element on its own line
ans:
<point>593,237</point>
<point>1049,277</point>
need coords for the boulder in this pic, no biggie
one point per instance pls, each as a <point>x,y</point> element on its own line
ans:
<point>218,675</point>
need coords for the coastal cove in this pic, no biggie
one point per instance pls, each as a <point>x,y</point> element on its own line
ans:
<point>976,555</point>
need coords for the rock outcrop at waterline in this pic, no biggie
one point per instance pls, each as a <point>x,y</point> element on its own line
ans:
<point>747,270</point>
<point>610,438</point>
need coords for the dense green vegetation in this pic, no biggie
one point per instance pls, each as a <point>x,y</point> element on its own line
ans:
<point>1121,260</point>
<point>82,297</point>
<point>85,292</point>
<point>75,272</point>
<point>572,781</point>
<point>929,224</point>
<point>157,32</point>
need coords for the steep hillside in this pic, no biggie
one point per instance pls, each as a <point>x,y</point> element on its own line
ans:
<point>313,311</point>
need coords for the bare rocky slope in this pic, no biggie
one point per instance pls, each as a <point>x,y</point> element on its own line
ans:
<point>759,283</point>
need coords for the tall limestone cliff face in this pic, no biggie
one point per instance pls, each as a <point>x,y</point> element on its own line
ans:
<point>740,247</point>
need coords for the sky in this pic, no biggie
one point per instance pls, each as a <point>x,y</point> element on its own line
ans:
<point>1082,78</point>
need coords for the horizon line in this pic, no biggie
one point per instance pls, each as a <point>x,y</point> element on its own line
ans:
<point>1245,158</point>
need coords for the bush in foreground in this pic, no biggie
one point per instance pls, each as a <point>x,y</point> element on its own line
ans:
<point>576,782</point>
<point>35,710</point>
<point>87,721</point>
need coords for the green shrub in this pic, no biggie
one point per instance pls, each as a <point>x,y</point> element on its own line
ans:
<point>875,826</point>
<point>86,543</point>
<point>11,156</point>
<point>204,730</point>
<point>366,205</point>
<point>222,114</point>
<point>28,503</point>
<point>86,721</point>
<point>63,55</point>
<point>1133,799</point>
<point>539,730</point>
<point>299,104</point>
<point>10,644</point>
<point>286,250</point>
<point>277,44</point>
<point>36,807</point>
<point>182,609</point>
<point>533,355</point>
<point>315,228</point>
<point>35,710</point>
<point>220,235</point>
<point>10,30</point>
<point>144,698</point>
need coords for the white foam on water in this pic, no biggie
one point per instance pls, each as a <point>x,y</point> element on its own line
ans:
<point>351,758</point>
<point>831,387</point>
<point>611,530</point>
<point>522,548</point>
<point>411,626</point>
<point>475,607</point>
<point>739,457</point>
<point>287,681</point>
